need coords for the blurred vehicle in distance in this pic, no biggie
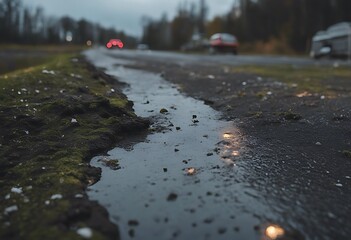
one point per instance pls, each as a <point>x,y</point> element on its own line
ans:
<point>114,43</point>
<point>142,47</point>
<point>334,42</point>
<point>197,43</point>
<point>223,42</point>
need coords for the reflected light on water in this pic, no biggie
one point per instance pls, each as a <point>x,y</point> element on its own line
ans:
<point>227,136</point>
<point>229,146</point>
<point>190,171</point>
<point>235,153</point>
<point>274,231</point>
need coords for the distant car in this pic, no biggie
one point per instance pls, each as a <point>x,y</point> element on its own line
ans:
<point>198,42</point>
<point>223,42</point>
<point>142,47</point>
<point>114,43</point>
<point>335,41</point>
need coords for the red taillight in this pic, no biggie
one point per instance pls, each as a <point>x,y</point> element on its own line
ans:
<point>115,43</point>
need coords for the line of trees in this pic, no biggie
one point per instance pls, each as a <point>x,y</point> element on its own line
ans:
<point>292,22</point>
<point>23,25</point>
<point>163,34</point>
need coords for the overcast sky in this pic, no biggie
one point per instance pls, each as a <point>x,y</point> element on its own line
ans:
<point>121,14</point>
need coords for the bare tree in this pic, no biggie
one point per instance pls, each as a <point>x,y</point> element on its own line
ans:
<point>10,10</point>
<point>203,10</point>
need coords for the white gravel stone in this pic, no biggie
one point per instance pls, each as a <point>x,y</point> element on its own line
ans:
<point>78,195</point>
<point>56,196</point>
<point>10,209</point>
<point>16,190</point>
<point>85,232</point>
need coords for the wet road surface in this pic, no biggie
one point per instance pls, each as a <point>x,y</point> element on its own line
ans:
<point>233,193</point>
<point>182,182</point>
<point>206,59</point>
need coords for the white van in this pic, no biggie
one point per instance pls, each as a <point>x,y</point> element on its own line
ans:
<point>335,41</point>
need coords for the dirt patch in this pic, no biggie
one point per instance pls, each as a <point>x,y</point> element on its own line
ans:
<point>55,117</point>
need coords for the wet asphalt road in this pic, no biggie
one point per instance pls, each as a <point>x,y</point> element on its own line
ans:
<point>270,185</point>
<point>229,59</point>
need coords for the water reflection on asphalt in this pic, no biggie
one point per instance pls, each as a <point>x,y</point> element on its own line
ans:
<point>183,181</point>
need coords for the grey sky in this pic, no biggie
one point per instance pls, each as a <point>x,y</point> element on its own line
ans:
<point>121,14</point>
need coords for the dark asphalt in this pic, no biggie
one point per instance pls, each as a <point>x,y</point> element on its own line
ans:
<point>206,59</point>
<point>293,171</point>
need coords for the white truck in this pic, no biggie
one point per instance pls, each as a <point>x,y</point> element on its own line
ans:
<point>333,42</point>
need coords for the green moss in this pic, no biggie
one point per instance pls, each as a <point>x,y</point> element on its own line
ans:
<point>111,163</point>
<point>289,115</point>
<point>347,153</point>
<point>118,102</point>
<point>43,148</point>
<point>258,114</point>
<point>261,94</point>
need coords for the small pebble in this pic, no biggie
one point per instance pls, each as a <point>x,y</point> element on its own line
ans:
<point>56,196</point>
<point>133,223</point>
<point>163,110</point>
<point>16,190</point>
<point>11,209</point>
<point>222,230</point>
<point>172,197</point>
<point>85,232</point>
<point>78,195</point>
<point>208,220</point>
<point>131,233</point>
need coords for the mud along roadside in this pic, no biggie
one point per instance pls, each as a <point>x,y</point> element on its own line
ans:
<point>300,121</point>
<point>54,118</point>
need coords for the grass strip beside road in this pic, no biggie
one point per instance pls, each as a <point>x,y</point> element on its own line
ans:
<point>14,57</point>
<point>323,80</point>
<point>55,117</point>
<point>64,48</point>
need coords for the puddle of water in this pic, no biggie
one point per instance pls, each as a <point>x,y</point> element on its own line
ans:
<point>182,182</point>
